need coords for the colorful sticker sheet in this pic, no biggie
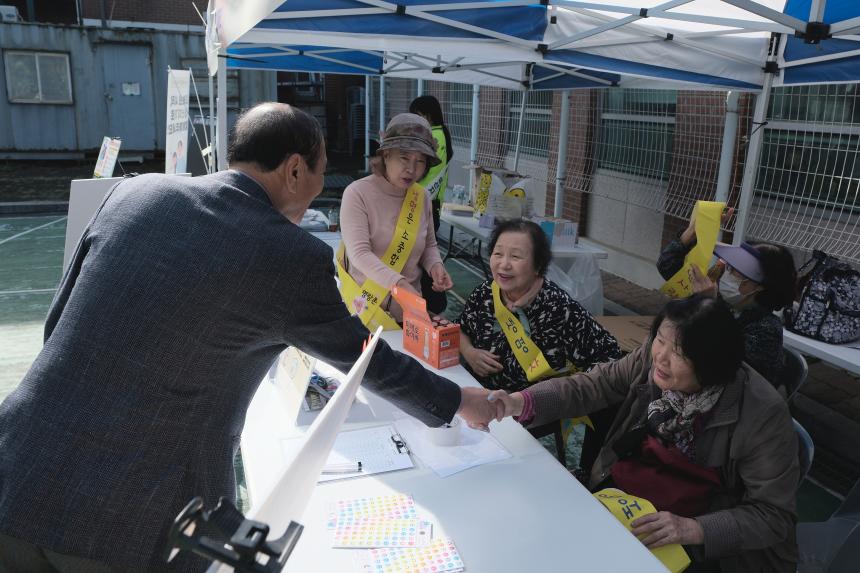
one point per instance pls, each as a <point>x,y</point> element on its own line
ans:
<point>395,506</point>
<point>370,533</point>
<point>441,556</point>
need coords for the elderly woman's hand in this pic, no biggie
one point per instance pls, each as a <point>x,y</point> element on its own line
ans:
<point>483,362</point>
<point>688,237</point>
<point>441,279</point>
<point>664,528</point>
<point>513,403</point>
<point>404,284</point>
<point>701,283</point>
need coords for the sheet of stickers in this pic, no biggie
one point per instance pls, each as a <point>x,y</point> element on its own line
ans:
<point>389,536</point>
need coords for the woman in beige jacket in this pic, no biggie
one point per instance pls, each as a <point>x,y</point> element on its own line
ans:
<point>699,433</point>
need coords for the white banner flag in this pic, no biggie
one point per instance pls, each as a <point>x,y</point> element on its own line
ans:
<point>176,143</point>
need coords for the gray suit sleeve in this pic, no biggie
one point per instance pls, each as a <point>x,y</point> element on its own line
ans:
<point>320,325</point>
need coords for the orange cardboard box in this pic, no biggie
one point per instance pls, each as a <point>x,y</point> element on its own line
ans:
<point>438,346</point>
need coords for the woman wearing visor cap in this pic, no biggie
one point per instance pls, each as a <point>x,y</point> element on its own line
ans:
<point>387,225</point>
<point>756,279</point>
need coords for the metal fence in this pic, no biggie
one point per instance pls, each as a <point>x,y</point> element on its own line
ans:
<point>663,150</point>
<point>806,189</point>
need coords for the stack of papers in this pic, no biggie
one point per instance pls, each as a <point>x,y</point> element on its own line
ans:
<point>474,448</point>
<point>373,447</point>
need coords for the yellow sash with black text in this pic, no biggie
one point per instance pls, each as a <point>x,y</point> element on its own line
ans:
<point>530,357</point>
<point>366,299</point>
<point>627,508</point>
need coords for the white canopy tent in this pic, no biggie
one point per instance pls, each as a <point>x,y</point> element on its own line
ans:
<point>737,45</point>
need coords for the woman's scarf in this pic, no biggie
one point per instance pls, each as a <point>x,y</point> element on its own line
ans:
<point>672,415</point>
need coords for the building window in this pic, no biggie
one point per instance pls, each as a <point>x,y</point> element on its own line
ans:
<point>38,77</point>
<point>537,115</point>
<point>457,112</point>
<point>200,76</point>
<point>811,146</point>
<point>637,129</point>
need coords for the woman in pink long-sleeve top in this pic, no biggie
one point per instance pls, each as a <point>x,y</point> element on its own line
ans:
<point>373,209</point>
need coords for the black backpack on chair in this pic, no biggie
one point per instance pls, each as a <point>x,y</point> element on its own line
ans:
<point>829,308</point>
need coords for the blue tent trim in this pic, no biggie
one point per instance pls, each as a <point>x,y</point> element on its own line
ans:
<point>524,22</point>
<point>262,58</point>
<point>834,10</point>
<point>593,61</point>
<point>839,70</point>
<point>844,70</point>
<point>567,81</point>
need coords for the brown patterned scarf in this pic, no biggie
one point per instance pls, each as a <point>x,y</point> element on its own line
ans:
<point>671,416</point>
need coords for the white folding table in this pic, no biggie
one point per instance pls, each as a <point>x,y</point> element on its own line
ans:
<point>526,513</point>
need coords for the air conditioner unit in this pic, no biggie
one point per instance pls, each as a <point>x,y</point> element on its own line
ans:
<point>9,14</point>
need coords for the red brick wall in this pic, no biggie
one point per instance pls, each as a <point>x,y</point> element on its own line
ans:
<point>492,120</point>
<point>580,155</point>
<point>699,123</point>
<point>159,11</point>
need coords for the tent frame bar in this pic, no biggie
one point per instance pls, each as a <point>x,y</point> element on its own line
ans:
<point>658,12</point>
<point>845,26</point>
<point>827,58</point>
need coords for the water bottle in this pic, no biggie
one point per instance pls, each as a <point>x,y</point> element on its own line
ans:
<point>459,194</point>
<point>333,219</point>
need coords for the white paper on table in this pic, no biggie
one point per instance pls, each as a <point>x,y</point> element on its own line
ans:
<point>475,448</point>
<point>288,499</point>
<point>373,447</point>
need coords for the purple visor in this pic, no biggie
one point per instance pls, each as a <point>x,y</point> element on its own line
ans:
<point>745,259</point>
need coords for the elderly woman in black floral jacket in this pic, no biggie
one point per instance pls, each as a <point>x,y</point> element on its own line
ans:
<point>520,327</point>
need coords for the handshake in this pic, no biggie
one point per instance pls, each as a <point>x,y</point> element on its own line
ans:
<point>479,406</point>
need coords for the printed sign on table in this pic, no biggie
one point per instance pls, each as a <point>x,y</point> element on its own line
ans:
<point>107,157</point>
<point>176,143</point>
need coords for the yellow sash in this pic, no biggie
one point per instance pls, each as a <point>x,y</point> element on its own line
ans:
<point>366,299</point>
<point>707,227</point>
<point>529,356</point>
<point>627,508</point>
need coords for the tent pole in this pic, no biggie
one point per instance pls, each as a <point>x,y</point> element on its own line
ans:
<point>222,110</point>
<point>367,124</point>
<point>381,105</point>
<point>210,124</point>
<point>520,131</point>
<point>473,148</point>
<point>561,162</point>
<point>730,134</point>
<point>420,88</point>
<point>752,159</point>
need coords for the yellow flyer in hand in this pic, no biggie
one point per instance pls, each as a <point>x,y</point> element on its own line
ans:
<point>707,215</point>
<point>626,508</point>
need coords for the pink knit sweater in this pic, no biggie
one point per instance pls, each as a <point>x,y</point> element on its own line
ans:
<point>368,216</point>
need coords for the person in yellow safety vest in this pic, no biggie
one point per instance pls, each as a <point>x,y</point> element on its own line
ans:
<point>387,225</point>
<point>436,182</point>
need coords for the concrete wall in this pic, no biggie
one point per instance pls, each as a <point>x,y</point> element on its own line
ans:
<point>79,127</point>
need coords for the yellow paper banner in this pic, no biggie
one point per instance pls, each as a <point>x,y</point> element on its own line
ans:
<point>627,508</point>
<point>707,214</point>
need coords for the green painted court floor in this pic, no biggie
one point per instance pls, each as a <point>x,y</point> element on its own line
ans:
<point>31,259</point>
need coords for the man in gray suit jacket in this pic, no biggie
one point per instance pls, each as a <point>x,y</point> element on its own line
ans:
<point>180,295</point>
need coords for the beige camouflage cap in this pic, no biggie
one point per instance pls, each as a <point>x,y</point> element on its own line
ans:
<point>411,132</point>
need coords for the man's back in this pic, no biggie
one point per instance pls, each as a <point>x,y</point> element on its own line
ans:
<point>174,305</point>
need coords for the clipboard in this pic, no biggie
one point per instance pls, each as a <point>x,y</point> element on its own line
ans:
<point>380,449</point>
